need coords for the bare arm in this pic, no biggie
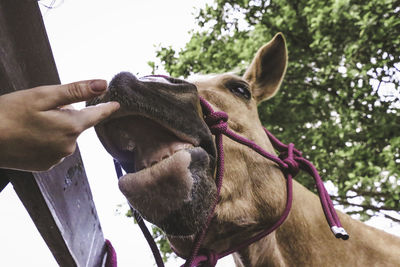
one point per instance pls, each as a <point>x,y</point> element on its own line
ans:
<point>37,129</point>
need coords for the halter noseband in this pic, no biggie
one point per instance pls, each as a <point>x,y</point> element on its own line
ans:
<point>290,161</point>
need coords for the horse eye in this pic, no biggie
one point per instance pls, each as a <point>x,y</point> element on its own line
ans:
<point>239,89</point>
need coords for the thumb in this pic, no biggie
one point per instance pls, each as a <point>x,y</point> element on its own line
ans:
<point>60,95</point>
<point>92,115</point>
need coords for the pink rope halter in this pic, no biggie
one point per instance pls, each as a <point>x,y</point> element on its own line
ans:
<point>290,161</point>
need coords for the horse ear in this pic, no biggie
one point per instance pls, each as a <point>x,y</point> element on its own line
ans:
<point>267,69</point>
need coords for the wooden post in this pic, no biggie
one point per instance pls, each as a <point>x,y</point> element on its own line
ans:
<point>59,201</point>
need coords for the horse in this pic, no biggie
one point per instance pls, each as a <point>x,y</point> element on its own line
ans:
<point>170,147</point>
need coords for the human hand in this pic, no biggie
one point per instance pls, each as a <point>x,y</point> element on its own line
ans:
<point>38,130</point>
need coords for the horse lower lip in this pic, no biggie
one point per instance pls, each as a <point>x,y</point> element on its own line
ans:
<point>159,182</point>
<point>180,186</point>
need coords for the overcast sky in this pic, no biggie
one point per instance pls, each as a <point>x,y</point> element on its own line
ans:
<point>98,39</point>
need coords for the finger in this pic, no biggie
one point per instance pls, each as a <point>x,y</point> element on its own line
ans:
<point>54,96</point>
<point>92,115</point>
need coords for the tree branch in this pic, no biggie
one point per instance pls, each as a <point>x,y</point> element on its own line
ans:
<point>370,193</point>
<point>391,217</point>
<point>364,206</point>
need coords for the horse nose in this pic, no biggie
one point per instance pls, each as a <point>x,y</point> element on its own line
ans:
<point>155,78</point>
<point>167,80</point>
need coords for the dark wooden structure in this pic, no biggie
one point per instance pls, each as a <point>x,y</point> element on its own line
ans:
<point>59,201</point>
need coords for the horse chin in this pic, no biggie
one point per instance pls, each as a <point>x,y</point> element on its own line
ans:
<point>175,194</point>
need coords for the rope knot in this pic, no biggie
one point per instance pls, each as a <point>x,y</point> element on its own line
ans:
<point>217,122</point>
<point>288,157</point>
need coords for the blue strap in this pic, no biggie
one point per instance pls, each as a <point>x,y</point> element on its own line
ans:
<point>142,225</point>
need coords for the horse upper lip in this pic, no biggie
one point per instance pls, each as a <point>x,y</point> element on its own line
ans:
<point>174,104</point>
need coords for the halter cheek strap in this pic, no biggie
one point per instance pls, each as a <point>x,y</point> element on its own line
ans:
<point>290,161</point>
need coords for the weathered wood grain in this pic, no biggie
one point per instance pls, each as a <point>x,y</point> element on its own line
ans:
<point>59,201</point>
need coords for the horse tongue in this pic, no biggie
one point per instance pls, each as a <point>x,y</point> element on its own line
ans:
<point>157,191</point>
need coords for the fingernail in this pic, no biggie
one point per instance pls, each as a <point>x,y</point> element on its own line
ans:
<point>98,85</point>
<point>115,104</point>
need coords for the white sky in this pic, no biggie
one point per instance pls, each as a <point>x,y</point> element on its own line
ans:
<point>98,39</point>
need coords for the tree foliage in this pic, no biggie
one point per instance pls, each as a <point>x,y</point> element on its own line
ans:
<point>339,102</point>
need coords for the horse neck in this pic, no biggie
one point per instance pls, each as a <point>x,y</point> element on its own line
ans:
<point>305,239</point>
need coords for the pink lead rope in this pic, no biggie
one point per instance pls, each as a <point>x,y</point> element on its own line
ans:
<point>290,161</point>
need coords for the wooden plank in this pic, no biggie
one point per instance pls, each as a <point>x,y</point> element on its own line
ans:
<point>59,201</point>
<point>26,57</point>
<point>29,192</point>
<point>60,204</point>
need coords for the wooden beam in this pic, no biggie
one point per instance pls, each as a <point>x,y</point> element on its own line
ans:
<point>60,204</point>
<point>26,57</point>
<point>59,201</point>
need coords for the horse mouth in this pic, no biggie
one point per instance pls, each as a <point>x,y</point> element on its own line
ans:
<point>168,177</point>
<point>169,170</point>
<point>142,143</point>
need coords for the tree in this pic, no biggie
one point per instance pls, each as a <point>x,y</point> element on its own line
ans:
<point>340,99</point>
